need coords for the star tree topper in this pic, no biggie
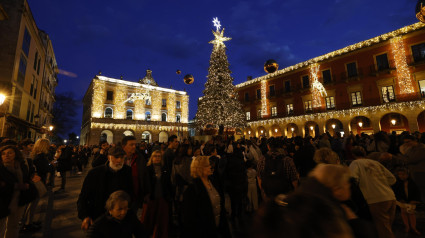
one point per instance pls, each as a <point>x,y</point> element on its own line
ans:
<point>219,38</point>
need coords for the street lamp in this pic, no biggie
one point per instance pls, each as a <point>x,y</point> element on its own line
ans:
<point>78,137</point>
<point>64,141</point>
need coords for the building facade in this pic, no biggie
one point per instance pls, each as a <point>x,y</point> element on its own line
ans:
<point>27,62</point>
<point>374,85</point>
<point>114,108</point>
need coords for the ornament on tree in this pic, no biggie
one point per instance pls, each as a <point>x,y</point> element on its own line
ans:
<point>271,66</point>
<point>188,79</point>
<point>178,71</point>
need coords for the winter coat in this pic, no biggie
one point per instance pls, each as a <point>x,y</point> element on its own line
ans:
<point>108,227</point>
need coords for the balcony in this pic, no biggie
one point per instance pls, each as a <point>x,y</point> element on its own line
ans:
<point>383,69</point>
<point>355,77</point>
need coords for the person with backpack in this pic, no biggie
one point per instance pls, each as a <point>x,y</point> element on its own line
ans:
<point>279,175</point>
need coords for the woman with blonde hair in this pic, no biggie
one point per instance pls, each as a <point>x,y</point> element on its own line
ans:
<point>204,213</point>
<point>39,154</point>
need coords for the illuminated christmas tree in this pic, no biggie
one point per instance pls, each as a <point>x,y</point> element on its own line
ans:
<point>219,107</point>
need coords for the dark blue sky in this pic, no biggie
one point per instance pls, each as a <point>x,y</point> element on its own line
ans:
<point>127,37</point>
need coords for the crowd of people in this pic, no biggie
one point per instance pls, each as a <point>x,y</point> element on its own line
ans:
<point>328,186</point>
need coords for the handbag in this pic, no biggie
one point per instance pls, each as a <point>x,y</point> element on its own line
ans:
<point>41,189</point>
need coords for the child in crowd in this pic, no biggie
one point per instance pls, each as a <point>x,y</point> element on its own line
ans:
<point>407,194</point>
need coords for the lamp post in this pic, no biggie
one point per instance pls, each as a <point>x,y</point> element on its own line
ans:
<point>2,99</point>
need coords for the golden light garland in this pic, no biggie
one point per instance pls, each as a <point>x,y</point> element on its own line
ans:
<point>139,106</point>
<point>354,47</point>
<point>120,96</point>
<point>404,78</point>
<point>264,98</point>
<point>171,107</point>
<point>99,96</point>
<point>156,105</point>
<point>134,127</point>
<point>317,89</point>
<point>185,109</point>
<point>363,111</point>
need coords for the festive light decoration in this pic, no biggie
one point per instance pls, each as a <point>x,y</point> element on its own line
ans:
<point>119,101</point>
<point>404,78</point>
<point>393,121</point>
<point>99,95</point>
<point>185,109</point>
<point>317,89</point>
<point>420,10</point>
<point>263,98</point>
<point>216,23</point>
<point>361,111</point>
<point>171,107</point>
<point>354,47</point>
<point>156,106</point>
<point>360,124</point>
<point>134,127</point>
<point>139,106</point>
<point>219,105</point>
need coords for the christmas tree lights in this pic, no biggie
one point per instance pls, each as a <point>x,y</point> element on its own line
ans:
<point>99,96</point>
<point>171,107</point>
<point>404,78</point>
<point>317,89</point>
<point>120,96</point>
<point>264,98</point>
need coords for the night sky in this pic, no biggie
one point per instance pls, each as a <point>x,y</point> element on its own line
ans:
<point>127,37</point>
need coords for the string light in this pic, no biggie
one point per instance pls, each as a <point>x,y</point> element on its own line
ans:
<point>348,49</point>
<point>134,127</point>
<point>99,91</point>
<point>317,89</point>
<point>263,98</point>
<point>119,101</point>
<point>139,106</point>
<point>185,109</point>
<point>171,107</point>
<point>156,106</point>
<point>404,78</point>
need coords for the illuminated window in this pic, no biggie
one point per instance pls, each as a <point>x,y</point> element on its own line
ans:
<point>108,112</point>
<point>148,116</point>
<point>274,111</point>
<point>330,102</point>
<point>308,106</point>
<point>248,116</point>
<point>422,87</point>
<point>356,98</point>
<point>388,94</point>
<point>129,115</point>
<point>290,109</point>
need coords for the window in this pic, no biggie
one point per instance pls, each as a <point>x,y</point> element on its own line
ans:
<point>148,102</point>
<point>148,116</point>
<point>271,90</point>
<point>164,116</point>
<point>32,85</point>
<point>108,112</point>
<point>307,106</point>
<point>388,94</point>
<point>274,111</point>
<point>382,62</point>
<point>35,88</point>
<point>35,60</point>
<point>330,103</point>
<point>109,95</point>
<point>327,78</point>
<point>356,98</point>
<point>422,87</point>
<point>246,97</point>
<point>305,81</point>
<point>17,102</point>
<point>164,102</point>
<point>290,109</point>
<point>178,117</point>
<point>129,114</point>
<point>32,113</point>
<point>258,93</point>
<point>248,116</point>
<point>178,106</point>
<point>259,114</point>
<point>352,70</point>
<point>26,42</point>
<point>28,111</point>
<point>418,52</point>
<point>288,86</point>
<point>22,70</point>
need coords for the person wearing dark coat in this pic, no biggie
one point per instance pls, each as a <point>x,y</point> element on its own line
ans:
<point>118,221</point>
<point>303,156</point>
<point>99,183</point>
<point>102,157</point>
<point>204,213</point>
<point>63,156</point>
<point>16,189</point>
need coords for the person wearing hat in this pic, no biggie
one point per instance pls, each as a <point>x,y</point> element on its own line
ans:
<point>100,182</point>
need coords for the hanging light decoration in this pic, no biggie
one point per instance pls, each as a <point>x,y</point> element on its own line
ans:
<point>420,10</point>
<point>404,78</point>
<point>317,89</point>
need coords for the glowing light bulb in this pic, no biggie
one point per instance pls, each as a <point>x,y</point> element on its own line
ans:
<point>292,129</point>
<point>311,127</point>
<point>275,130</point>
<point>333,126</point>
<point>360,124</point>
<point>393,121</point>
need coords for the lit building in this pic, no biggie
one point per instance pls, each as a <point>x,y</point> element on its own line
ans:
<point>114,108</point>
<point>370,86</point>
<point>27,62</point>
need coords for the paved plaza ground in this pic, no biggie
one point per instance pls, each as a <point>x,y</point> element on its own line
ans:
<point>59,215</point>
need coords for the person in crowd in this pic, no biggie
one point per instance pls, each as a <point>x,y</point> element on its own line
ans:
<point>99,183</point>
<point>26,148</point>
<point>64,164</point>
<point>303,156</point>
<point>137,163</point>
<point>76,162</point>
<point>252,194</point>
<point>415,161</point>
<point>155,215</point>
<point>16,189</point>
<point>332,182</point>
<point>118,221</point>
<point>326,156</point>
<point>102,157</point>
<point>170,152</point>
<point>408,196</point>
<point>375,183</point>
<point>278,174</point>
<point>204,213</point>
<point>324,142</point>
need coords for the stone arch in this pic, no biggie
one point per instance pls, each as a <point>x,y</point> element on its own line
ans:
<point>147,136</point>
<point>249,132</point>
<point>292,130</point>
<point>421,121</point>
<point>361,124</point>
<point>311,128</point>
<point>334,125</point>
<point>163,137</point>
<point>275,130</point>
<point>107,135</point>
<point>261,131</point>
<point>394,122</point>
